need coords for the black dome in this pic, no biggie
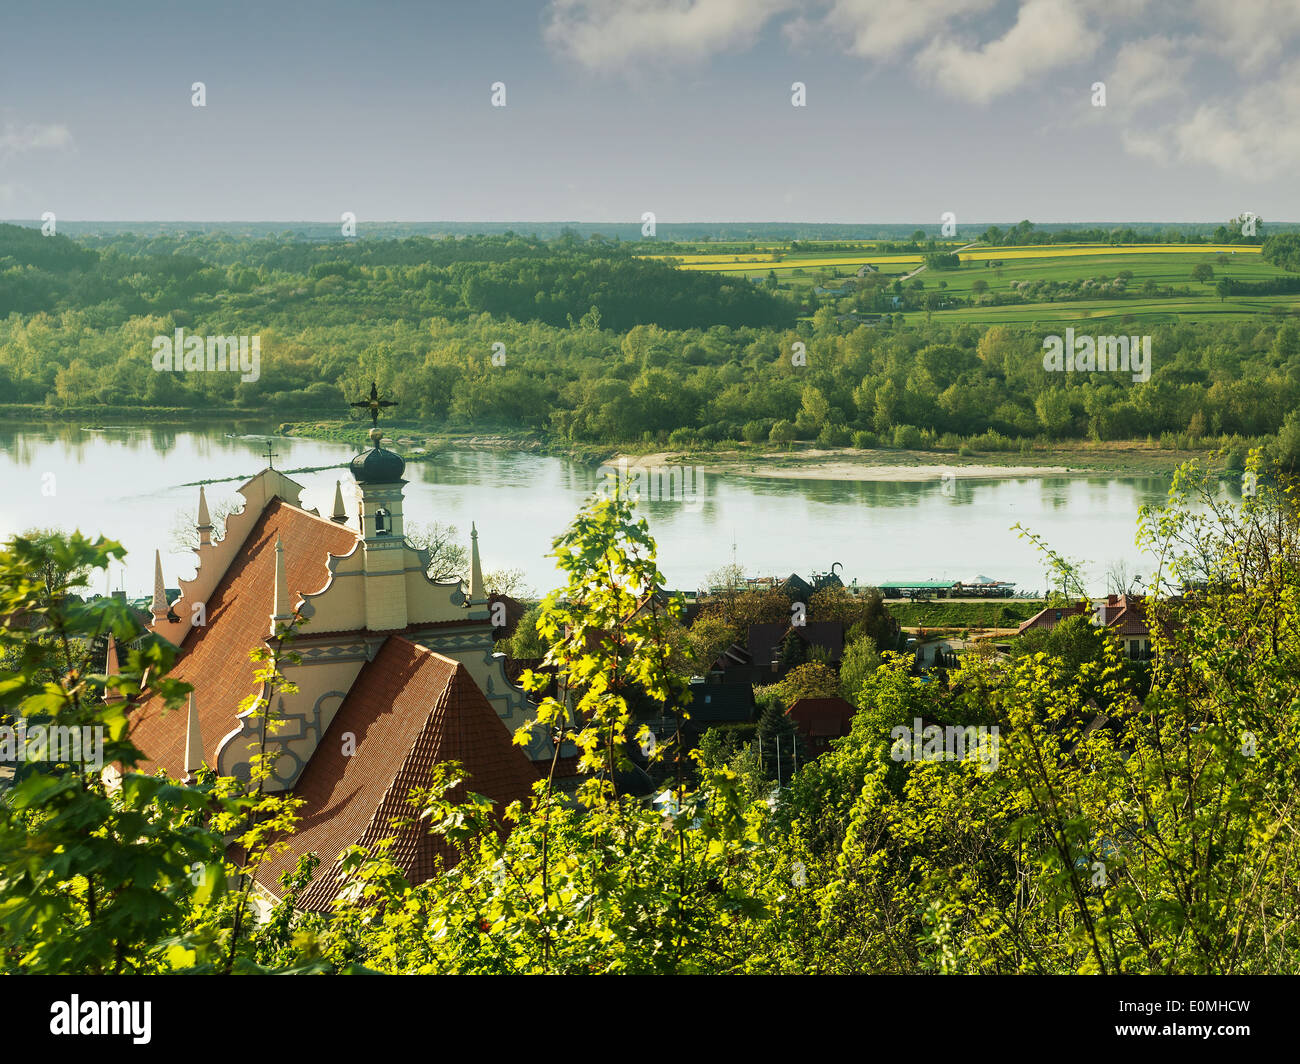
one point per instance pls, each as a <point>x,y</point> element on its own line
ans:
<point>378,466</point>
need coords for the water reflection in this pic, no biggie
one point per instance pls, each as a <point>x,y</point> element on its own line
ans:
<point>129,483</point>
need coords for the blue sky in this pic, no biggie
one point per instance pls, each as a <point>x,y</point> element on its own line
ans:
<point>681,107</point>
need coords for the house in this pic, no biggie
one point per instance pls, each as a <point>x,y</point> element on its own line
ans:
<point>734,661</point>
<point>819,720</point>
<point>508,610</point>
<point>766,643</point>
<point>709,704</point>
<point>1051,617</point>
<point>396,672</point>
<point>796,588</point>
<point>720,703</point>
<point>1125,616</point>
<point>865,269</point>
<point>844,286</point>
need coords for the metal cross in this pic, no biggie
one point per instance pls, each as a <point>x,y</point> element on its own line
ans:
<point>374,404</point>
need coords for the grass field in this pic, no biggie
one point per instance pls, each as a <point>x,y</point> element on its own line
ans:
<point>1167,266</point>
<point>791,262</point>
<point>942,613</point>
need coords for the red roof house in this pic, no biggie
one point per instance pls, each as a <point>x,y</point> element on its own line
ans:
<point>819,720</point>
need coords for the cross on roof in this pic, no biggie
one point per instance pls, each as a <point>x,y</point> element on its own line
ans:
<point>270,456</point>
<point>374,404</point>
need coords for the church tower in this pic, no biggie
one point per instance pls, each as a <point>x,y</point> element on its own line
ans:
<point>378,473</point>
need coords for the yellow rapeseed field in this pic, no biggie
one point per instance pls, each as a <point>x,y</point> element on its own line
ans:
<point>750,263</point>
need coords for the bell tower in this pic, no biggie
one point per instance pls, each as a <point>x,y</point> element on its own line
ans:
<point>378,473</point>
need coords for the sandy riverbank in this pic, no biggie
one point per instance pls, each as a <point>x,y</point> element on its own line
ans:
<point>836,465</point>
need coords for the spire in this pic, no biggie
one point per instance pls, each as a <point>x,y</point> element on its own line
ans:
<point>340,515</point>
<point>159,608</point>
<point>283,612</point>
<point>205,522</point>
<point>193,743</point>
<point>111,668</point>
<point>475,567</point>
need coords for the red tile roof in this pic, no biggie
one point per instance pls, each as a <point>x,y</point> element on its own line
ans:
<point>1049,617</point>
<point>408,710</point>
<point>822,717</point>
<point>214,658</point>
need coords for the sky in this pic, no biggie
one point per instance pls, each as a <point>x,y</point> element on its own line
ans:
<point>683,108</point>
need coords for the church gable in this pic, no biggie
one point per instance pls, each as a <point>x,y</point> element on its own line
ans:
<point>408,710</point>
<point>214,656</point>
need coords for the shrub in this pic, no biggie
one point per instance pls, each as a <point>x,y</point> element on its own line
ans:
<point>833,436</point>
<point>907,437</point>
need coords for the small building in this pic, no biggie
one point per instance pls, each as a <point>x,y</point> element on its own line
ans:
<point>1051,617</point>
<point>766,642</point>
<point>819,720</point>
<point>1125,616</point>
<point>796,588</point>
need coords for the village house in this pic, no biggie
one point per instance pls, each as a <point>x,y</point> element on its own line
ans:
<point>766,643</point>
<point>1123,615</point>
<point>819,720</point>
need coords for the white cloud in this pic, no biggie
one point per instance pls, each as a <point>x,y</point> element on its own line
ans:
<point>1148,71</point>
<point>15,139</point>
<point>1047,34</point>
<point>1255,137</point>
<point>886,29</point>
<point>607,35</point>
<point>1253,33</point>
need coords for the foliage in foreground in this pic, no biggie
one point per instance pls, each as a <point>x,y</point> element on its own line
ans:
<point>1120,826</point>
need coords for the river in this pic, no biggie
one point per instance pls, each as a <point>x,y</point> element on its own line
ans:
<point>132,483</point>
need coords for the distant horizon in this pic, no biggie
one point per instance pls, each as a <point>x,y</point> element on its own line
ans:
<point>910,224</point>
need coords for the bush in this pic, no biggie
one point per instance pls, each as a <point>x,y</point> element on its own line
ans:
<point>907,437</point>
<point>865,440</point>
<point>782,432</point>
<point>833,436</point>
<point>756,431</point>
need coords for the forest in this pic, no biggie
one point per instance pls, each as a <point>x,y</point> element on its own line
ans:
<point>583,341</point>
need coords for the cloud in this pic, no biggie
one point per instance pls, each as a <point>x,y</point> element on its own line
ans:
<point>886,29</point>
<point>1188,82</point>
<point>16,139</point>
<point>608,35</point>
<point>1148,71</point>
<point>1047,34</point>
<point>1255,137</point>
<point>1253,33</point>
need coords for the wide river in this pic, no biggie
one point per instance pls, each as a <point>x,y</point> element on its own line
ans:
<point>132,484</point>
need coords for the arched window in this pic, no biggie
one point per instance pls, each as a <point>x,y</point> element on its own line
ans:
<point>383,522</point>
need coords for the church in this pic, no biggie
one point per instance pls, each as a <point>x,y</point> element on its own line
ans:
<point>397,672</point>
